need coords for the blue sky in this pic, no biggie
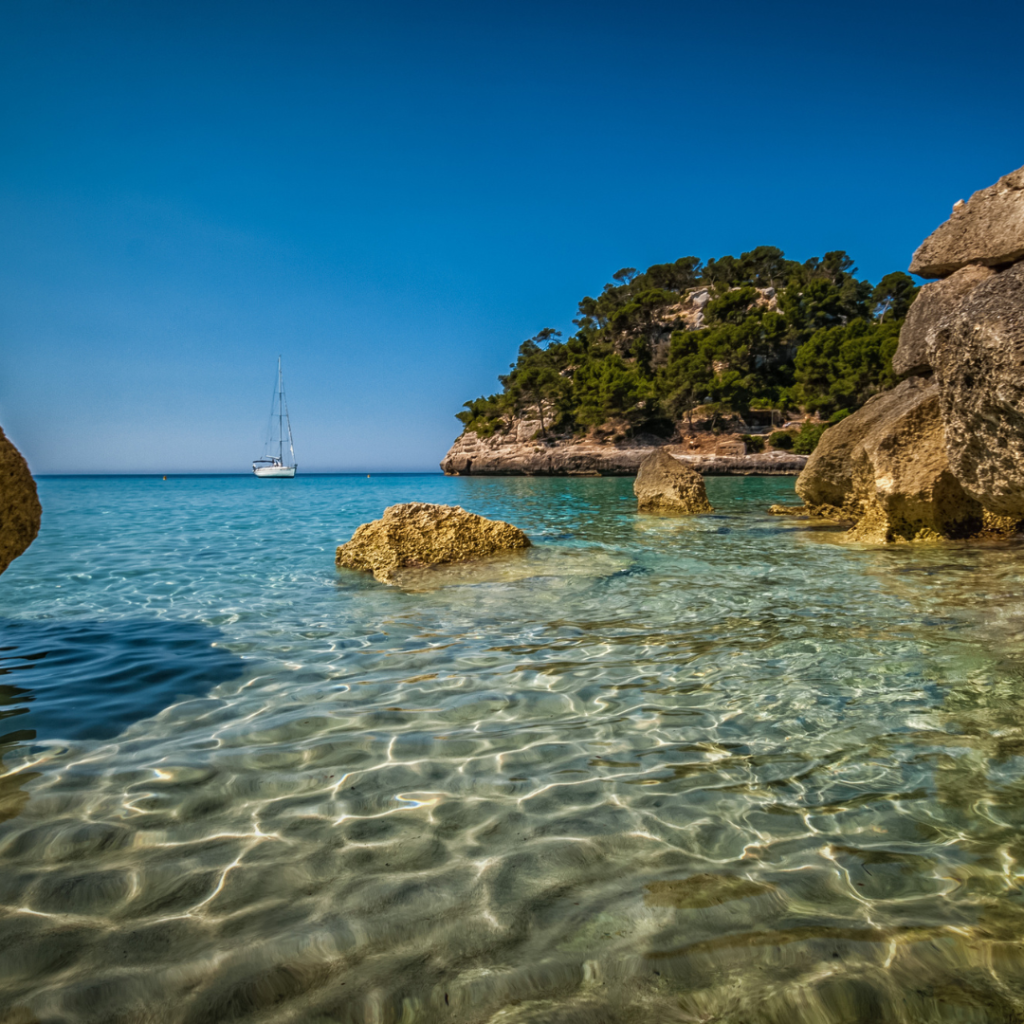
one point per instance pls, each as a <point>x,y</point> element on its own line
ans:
<point>394,196</point>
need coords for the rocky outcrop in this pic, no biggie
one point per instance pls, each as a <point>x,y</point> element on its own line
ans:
<point>827,478</point>
<point>506,455</point>
<point>987,229</point>
<point>775,463</point>
<point>20,511</point>
<point>418,534</point>
<point>886,466</point>
<point>934,304</point>
<point>664,484</point>
<point>979,364</point>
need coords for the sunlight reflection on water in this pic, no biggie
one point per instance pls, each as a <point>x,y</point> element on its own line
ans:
<point>653,769</point>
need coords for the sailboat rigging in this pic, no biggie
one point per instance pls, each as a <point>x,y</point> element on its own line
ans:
<point>274,466</point>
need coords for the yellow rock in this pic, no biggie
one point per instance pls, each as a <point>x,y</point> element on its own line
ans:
<point>418,534</point>
<point>664,484</point>
<point>20,510</point>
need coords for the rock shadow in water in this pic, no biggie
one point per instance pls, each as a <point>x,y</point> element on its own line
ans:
<point>90,680</point>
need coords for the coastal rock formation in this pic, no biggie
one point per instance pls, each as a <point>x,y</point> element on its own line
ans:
<point>988,229</point>
<point>418,534</point>
<point>978,360</point>
<point>933,305</point>
<point>886,466</point>
<point>664,484</point>
<point>827,479</point>
<point>774,463</point>
<point>20,511</point>
<point>506,455</point>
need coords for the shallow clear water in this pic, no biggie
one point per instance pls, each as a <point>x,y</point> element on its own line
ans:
<point>653,769</point>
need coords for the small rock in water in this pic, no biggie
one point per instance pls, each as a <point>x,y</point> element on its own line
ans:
<point>664,484</point>
<point>419,534</point>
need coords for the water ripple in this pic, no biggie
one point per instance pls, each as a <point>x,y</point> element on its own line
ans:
<point>653,769</point>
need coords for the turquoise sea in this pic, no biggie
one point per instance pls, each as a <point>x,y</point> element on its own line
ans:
<point>724,768</point>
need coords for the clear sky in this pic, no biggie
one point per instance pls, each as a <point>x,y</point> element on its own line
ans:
<point>394,195</point>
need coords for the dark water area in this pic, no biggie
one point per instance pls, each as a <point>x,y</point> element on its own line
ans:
<point>722,768</point>
<point>89,680</point>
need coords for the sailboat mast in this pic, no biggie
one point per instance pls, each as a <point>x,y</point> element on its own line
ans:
<point>280,414</point>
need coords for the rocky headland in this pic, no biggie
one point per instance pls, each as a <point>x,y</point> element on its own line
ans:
<point>20,511</point>
<point>942,454</point>
<point>719,362</point>
<point>518,452</point>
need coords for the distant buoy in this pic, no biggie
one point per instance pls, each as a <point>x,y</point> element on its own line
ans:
<point>165,478</point>
<point>367,476</point>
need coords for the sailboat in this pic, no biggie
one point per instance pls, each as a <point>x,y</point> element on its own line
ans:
<point>274,466</point>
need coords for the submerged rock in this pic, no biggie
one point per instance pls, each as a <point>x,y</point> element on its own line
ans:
<point>829,512</point>
<point>664,484</point>
<point>886,465</point>
<point>988,229</point>
<point>20,511</point>
<point>935,303</point>
<point>418,534</point>
<point>979,365</point>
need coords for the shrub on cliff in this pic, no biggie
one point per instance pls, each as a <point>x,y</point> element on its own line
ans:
<point>808,438</point>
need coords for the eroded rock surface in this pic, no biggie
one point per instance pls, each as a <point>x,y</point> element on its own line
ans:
<point>505,455</point>
<point>886,466</point>
<point>979,365</point>
<point>20,511</point>
<point>664,484</point>
<point>418,534</point>
<point>988,229</point>
<point>508,455</point>
<point>934,304</point>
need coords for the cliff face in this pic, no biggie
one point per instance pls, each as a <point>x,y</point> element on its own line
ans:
<point>969,334</point>
<point>942,454</point>
<point>20,511</point>
<point>507,455</point>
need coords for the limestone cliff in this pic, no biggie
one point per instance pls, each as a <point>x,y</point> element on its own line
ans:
<point>517,453</point>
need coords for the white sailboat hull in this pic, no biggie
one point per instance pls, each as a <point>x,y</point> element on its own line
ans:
<point>273,467</point>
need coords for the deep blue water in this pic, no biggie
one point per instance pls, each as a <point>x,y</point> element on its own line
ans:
<point>714,768</point>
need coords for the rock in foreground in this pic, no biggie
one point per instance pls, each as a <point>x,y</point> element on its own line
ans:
<point>988,228</point>
<point>664,484</point>
<point>418,534</point>
<point>886,467</point>
<point>20,510</point>
<point>978,359</point>
<point>935,303</point>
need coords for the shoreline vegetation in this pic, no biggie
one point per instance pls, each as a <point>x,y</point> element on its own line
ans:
<point>726,360</point>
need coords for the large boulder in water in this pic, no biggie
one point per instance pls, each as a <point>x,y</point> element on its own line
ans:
<point>978,359</point>
<point>887,465</point>
<point>988,229</point>
<point>20,511</point>
<point>418,534</point>
<point>933,305</point>
<point>664,484</point>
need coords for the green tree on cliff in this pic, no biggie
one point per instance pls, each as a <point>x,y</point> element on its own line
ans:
<point>775,333</point>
